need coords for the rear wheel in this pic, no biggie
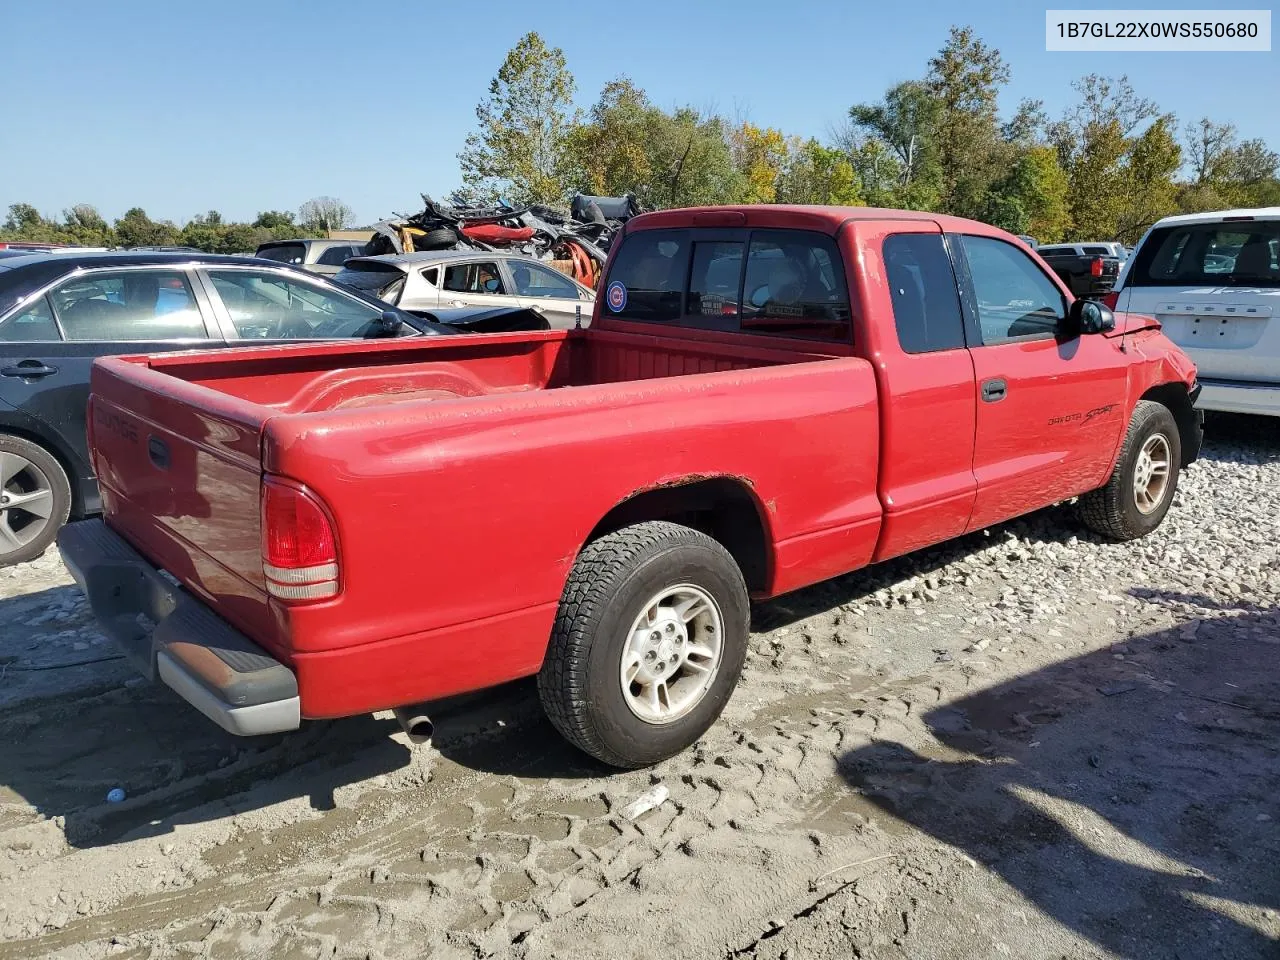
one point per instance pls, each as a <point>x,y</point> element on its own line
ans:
<point>1141,487</point>
<point>648,643</point>
<point>35,499</point>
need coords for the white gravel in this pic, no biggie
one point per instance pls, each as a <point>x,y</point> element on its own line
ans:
<point>1027,743</point>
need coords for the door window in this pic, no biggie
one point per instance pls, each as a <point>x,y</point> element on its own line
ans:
<point>922,288</point>
<point>269,306</point>
<point>473,278</point>
<point>129,305</point>
<point>33,324</point>
<point>532,280</point>
<point>1015,299</point>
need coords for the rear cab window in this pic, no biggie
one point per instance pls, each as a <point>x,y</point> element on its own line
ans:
<point>923,291</point>
<point>1245,254</point>
<point>787,283</point>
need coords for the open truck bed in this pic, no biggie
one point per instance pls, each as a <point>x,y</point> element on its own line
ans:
<point>461,476</point>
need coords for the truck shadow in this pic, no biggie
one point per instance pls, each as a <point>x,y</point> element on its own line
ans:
<point>1131,795</point>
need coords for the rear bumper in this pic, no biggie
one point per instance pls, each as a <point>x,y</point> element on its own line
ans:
<point>167,633</point>
<point>1235,396</point>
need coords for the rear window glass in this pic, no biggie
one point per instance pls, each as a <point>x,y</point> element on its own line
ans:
<point>922,288</point>
<point>771,282</point>
<point>1096,251</point>
<point>369,277</point>
<point>283,252</point>
<point>1243,254</point>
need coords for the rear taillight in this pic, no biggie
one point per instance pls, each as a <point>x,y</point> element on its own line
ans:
<point>1095,267</point>
<point>1111,299</point>
<point>299,545</point>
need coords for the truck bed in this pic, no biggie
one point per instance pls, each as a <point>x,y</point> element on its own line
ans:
<point>464,473</point>
<point>347,375</point>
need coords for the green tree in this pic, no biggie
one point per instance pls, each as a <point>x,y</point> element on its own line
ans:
<point>136,229</point>
<point>906,122</point>
<point>965,79</point>
<point>610,153</point>
<point>274,220</point>
<point>1033,197</point>
<point>520,148</point>
<point>817,174</point>
<point>1148,191</point>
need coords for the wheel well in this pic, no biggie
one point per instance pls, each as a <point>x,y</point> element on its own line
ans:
<point>77,505</point>
<point>1176,398</point>
<point>724,509</point>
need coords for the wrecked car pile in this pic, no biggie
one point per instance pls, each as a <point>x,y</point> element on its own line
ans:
<point>576,243</point>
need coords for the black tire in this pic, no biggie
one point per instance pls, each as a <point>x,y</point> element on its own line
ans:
<point>26,534</point>
<point>613,579</point>
<point>436,239</point>
<point>1113,510</point>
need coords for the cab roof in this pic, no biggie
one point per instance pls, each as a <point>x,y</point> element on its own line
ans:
<point>801,217</point>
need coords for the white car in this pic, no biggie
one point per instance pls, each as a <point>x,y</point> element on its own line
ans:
<point>1213,282</point>
<point>1106,248</point>
<point>471,278</point>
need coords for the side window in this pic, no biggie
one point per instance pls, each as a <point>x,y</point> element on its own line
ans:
<point>33,323</point>
<point>432,276</point>
<point>922,287</point>
<point>269,306</point>
<point>532,280</point>
<point>1015,299</point>
<point>473,278</point>
<point>129,305</point>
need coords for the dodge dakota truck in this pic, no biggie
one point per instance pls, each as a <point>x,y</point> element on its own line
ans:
<point>766,397</point>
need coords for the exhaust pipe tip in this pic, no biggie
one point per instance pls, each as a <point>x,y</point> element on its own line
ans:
<point>415,723</point>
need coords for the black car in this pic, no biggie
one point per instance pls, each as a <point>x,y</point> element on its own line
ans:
<point>60,311</point>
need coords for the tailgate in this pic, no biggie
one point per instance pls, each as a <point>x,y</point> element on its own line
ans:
<point>180,470</point>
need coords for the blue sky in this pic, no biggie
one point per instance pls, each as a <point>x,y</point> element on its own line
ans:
<point>182,107</point>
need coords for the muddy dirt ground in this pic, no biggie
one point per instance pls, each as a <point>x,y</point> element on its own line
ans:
<point>1028,743</point>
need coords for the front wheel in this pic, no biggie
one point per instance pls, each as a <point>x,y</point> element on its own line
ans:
<point>1140,490</point>
<point>648,643</point>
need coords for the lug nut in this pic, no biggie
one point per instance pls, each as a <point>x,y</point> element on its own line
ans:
<point>655,636</point>
<point>651,656</point>
<point>660,667</point>
<point>674,658</point>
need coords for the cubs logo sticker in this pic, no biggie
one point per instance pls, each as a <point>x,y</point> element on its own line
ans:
<point>616,296</point>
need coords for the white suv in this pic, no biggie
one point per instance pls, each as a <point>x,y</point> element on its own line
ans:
<point>1213,282</point>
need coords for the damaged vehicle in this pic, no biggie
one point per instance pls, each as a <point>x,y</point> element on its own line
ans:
<point>579,240</point>
<point>421,283</point>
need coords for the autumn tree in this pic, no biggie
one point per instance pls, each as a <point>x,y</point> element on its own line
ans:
<point>759,154</point>
<point>520,148</point>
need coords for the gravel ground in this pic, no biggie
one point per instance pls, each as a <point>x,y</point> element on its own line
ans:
<point>1027,743</point>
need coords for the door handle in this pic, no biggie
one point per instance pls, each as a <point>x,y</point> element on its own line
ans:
<point>29,368</point>
<point>994,390</point>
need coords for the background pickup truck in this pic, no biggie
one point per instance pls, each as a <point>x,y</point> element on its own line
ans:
<point>1087,270</point>
<point>767,397</point>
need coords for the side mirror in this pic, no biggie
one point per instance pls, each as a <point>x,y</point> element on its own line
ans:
<point>1089,316</point>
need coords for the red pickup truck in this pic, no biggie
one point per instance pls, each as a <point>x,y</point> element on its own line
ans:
<point>766,397</point>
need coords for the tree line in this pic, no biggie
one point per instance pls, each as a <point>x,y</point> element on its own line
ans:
<point>82,225</point>
<point>1108,168</point>
<point>1111,165</point>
